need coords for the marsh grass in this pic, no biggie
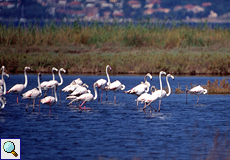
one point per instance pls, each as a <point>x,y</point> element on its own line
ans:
<point>128,48</point>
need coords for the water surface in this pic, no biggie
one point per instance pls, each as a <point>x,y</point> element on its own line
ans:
<point>118,130</point>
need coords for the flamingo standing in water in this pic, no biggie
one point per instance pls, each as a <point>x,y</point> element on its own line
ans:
<point>102,83</point>
<point>115,86</point>
<point>53,83</point>
<point>3,89</point>
<point>33,93</point>
<point>18,88</point>
<point>141,88</point>
<point>198,90</point>
<point>87,97</point>
<point>154,96</point>
<point>44,83</point>
<point>3,73</point>
<point>49,100</point>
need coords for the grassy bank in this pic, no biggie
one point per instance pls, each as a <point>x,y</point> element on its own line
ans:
<point>127,48</point>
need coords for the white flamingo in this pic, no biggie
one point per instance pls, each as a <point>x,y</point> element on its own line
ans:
<point>162,93</point>
<point>87,97</point>
<point>3,90</point>
<point>146,97</point>
<point>72,87</point>
<point>79,90</point>
<point>53,83</point>
<point>115,86</point>
<point>18,88</point>
<point>49,100</point>
<point>77,81</point>
<point>102,83</point>
<point>44,83</point>
<point>141,88</point>
<point>198,90</point>
<point>33,93</point>
<point>3,73</point>
<point>74,98</point>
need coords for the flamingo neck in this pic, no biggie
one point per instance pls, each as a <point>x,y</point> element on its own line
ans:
<point>169,88</point>
<point>95,91</point>
<point>59,73</point>
<point>4,84</point>
<point>55,94</point>
<point>26,81</point>
<point>53,74</point>
<point>107,75</point>
<point>39,85</point>
<point>160,82</point>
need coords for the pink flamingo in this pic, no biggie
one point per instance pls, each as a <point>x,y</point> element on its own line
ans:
<point>33,93</point>
<point>18,88</point>
<point>160,94</point>
<point>115,86</point>
<point>49,100</point>
<point>198,90</point>
<point>102,83</point>
<point>44,83</point>
<point>87,97</point>
<point>141,88</point>
<point>53,82</point>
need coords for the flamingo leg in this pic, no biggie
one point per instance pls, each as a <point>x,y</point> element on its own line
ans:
<point>33,104</point>
<point>98,90</point>
<point>27,105</point>
<point>106,95</point>
<point>17,97</point>
<point>144,108</point>
<point>81,105</point>
<point>198,99</point>
<point>159,106</point>
<point>50,109</point>
<point>101,94</point>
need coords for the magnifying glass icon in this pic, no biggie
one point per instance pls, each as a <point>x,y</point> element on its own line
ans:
<point>9,147</point>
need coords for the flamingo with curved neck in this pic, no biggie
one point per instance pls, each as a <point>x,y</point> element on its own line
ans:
<point>141,88</point>
<point>18,88</point>
<point>102,83</point>
<point>49,100</point>
<point>87,97</point>
<point>33,93</point>
<point>44,83</point>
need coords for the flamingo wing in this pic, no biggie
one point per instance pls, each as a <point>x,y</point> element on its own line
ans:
<point>16,88</point>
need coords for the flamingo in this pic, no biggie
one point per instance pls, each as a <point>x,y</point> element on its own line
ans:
<point>146,97</point>
<point>18,88</point>
<point>198,90</point>
<point>3,73</point>
<point>3,90</point>
<point>141,88</point>
<point>33,93</point>
<point>115,86</point>
<point>44,83</point>
<point>75,98</point>
<point>87,97</point>
<point>162,93</point>
<point>53,83</point>
<point>102,83</point>
<point>79,90</point>
<point>49,100</point>
<point>77,81</point>
<point>72,87</point>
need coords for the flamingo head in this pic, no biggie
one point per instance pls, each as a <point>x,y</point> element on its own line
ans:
<point>3,68</point>
<point>169,75</point>
<point>162,72</point>
<point>27,68</point>
<point>205,91</point>
<point>54,69</point>
<point>63,70</point>
<point>109,67</point>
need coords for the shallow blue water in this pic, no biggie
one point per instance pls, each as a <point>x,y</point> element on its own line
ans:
<point>118,130</point>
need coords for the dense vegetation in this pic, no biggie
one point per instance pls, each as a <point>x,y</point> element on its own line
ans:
<point>127,48</point>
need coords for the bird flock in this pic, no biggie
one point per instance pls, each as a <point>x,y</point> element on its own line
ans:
<point>78,91</point>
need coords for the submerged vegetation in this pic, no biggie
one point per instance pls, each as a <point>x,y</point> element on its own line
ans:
<point>128,48</point>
